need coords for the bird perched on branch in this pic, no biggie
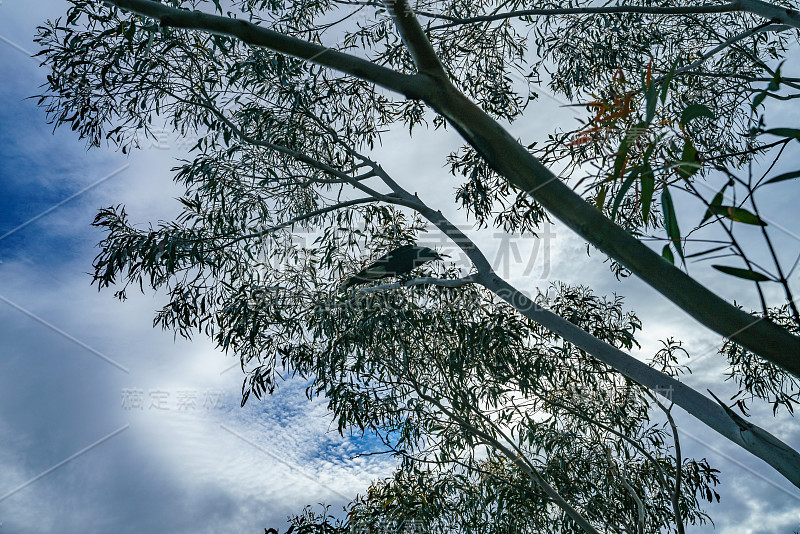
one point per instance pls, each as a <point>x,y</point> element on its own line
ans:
<point>397,262</point>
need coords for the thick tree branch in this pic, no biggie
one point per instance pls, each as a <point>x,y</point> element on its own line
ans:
<point>781,14</point>
<point>763,9</point>
<point>414,38</point>
<point>760,443</point>
<point>522,170</point>
<point>255,35</point>
<point>525,172</point>
<point>756,440</point>
<point>511,160</point>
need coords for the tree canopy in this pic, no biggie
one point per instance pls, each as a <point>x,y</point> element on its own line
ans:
<point>506,411</point>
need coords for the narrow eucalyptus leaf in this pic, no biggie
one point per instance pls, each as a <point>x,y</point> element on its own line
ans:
<point>747,274</point>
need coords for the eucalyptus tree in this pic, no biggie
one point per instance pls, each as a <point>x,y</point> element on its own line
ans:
<point>522,431</point>
<point>455,369</point>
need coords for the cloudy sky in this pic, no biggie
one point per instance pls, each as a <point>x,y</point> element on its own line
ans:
<point>109,425</point>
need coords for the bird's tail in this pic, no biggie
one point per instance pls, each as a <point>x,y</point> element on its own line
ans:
<point>350,282</point>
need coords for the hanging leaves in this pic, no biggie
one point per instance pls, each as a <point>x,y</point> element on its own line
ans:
<point>747,274</point>
<point>689,164</point>
<point>671,221</point>
<point>783,177</point>
<point>715,202</point>
<point>648,187</point>
<point>666,253</point>
<point>622,190</point>
<point>695,111</point>
<point>792,133</point>
<point>737,214</point>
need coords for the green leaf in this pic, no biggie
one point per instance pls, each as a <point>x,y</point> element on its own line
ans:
<point>737,214</point>
<point>716,201</point>
<point>651,99</point>
<point>782,177</point>
<point>747,274</point>
<point>689,164</point>
<point>666,253</point>
<point>622,190</point>
<point>670,221</point>
<point>793,133</point>
<point>130,32</point>
<point>648,186</point>
<point>695,111</point>
<point>668,79</point>
<point>600,199</point>
<point>709,251</point>
<point>622,156</point>
<point>775,83</point>
<point>759,98</point>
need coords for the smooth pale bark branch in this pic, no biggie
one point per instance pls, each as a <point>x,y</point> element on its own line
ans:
<point>756,7</point>
<point>511,160</point>
<point>754,439</point>
<point>524,171</point>
<point>253,34</point>
<point>769,11</point>
<point>750,437</point>
<point>517,165</point>
<point>678,465</point>
<point>415,40</point>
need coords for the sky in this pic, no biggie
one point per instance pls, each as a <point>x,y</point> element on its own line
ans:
<point>109,425</point>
